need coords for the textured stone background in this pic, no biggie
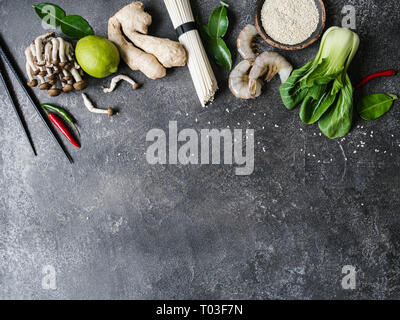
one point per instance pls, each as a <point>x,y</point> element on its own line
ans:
<point>115,227</point>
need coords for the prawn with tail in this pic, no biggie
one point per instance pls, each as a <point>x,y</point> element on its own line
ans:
<point>271,62</point>
<point>245,42</point>
<point>239,82</point>
<point>244,80</point>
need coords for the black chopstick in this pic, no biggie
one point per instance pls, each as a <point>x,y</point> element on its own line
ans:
<point>16,110</point>
<point>32,99</point>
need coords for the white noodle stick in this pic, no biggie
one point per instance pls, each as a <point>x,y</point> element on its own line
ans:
<point>199,66</point>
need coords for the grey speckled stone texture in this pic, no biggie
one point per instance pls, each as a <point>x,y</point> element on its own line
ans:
<point>115,227</point>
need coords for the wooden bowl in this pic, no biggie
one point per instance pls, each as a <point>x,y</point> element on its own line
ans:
<point>314,37</point>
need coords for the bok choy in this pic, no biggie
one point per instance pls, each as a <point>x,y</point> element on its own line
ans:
<point>323,87</point>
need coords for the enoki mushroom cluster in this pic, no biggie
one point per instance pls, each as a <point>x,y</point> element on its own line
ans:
<point>52,61</point>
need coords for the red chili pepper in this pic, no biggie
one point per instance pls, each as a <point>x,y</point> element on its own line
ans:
<point>61,126</point>
<point>386,73</point>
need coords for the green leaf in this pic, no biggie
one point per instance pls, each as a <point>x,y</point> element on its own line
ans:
<point>204,33</point>
<point>218,22</point>
<point>336,122</point>
<point>292,92</point>
<point>317,102</point>
<point>220,52</point>
<point>375,105</point>
<point>49,13</point>
<point>76,27</point>
<point>320,75</point>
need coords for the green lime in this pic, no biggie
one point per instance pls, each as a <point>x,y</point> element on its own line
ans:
<point>97,56</point>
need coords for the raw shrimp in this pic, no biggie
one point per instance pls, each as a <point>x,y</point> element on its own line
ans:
<point>273,63</point>
<point>239,82</point>
<point>245,42</point>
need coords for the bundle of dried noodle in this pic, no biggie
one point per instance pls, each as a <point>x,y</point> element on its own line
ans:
<point>200,69</point>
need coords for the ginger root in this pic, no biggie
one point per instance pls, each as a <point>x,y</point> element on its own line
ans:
<point>133,17</point>
<point>168,52</point>
<point>150,55</point>
<point>135,58</point>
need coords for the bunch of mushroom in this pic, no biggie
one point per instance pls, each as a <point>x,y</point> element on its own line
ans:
<point>51,59</point>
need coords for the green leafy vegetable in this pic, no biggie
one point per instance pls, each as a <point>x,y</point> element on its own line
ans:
<point>76,27</point>
<point>337,121</point>
<point>292,92</point>
<point>212,33</point>
<point>316,103</point>
<point>218,49</point>
<point>218,22</point>
<point>375,105</point>
<point>72,26</point>
<point>50,13</point>
<point>322,86</point>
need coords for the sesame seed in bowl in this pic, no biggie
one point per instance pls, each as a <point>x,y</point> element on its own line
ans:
<point>290,24</point>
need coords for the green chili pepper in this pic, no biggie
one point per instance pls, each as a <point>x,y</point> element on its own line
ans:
<point>63,113</point>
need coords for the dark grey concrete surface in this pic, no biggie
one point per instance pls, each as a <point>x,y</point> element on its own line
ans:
<point>115,227</point>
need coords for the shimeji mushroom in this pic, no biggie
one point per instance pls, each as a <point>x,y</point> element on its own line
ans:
<point>32,81</point>
<point>69,66</point>
<point>47,53</point>
<point>89,104</point>
<point>33,53</point>
<point>43,84</point>
<point>66,84</point>
<point>54,91</point>
<point>66,75</point>
<point>52,82</point>
<point>50,74</point>
<point>39,47</point>
<point>42,71</point>
<point>67,87</point>
<point>54,54</point>
<point>79,84</point>
<point>69,51</point>
<point>50,57</point>
<point>29,60</point>
<point>38,71</point>
<point>117,79</point>
<point>63,59</point>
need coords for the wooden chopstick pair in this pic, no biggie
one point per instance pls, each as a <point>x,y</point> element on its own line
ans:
<point>17,74</point>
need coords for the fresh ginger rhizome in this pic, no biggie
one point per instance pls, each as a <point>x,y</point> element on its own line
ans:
<point>211,146</point>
